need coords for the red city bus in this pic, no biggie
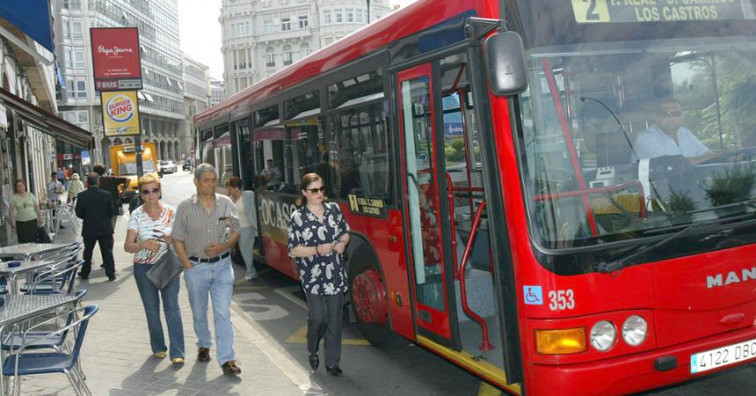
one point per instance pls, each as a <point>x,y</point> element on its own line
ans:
<point>576,216</point>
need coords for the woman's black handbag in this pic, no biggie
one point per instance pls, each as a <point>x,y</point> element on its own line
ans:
<point>42,236</point>
<point>165,270</point>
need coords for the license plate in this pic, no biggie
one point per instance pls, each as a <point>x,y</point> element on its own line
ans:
<point>720,357</point>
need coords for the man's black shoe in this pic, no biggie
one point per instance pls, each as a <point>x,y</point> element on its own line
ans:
<point>102,265</point>
<point>82,276</point>
<point>335,371</point>
<point>111,278</point>
<point>62,228</point>
<point>203,355</point>
<point>230,368</point>
<point>314,361</point>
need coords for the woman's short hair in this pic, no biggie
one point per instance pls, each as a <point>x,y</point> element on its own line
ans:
<point>235,182</point>
<point>75,176</point>
<point>306,181</point>
<point>148,179</point>
<point>20,181</point>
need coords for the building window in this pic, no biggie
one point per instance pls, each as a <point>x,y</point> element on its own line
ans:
<point>69,60</point>
<point>78,62</point>
<point>339,16</point>
<point>327,17</point>
<point>303,22</point>
<point>358,15</point>
<point>285,24</point>
<point>270,59</point>
<point>268,26</point>
<point>77,88</point>
<point>350,15</point>
<point>76,28</point>
<point>287,55</point>
<point>304,49</point>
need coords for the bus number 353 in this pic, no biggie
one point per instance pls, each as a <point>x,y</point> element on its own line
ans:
<point>559,300</point>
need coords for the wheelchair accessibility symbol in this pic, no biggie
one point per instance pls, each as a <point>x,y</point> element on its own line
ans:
<point>533,295</point>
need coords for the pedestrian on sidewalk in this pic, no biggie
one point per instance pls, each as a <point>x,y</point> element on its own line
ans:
<point>54,191</point>
<point>245,207</point>
<point>23,207</point>
<point>110,184</point>
<point>318,236</point>
<point>148,237</point>
<point>75,188</point>
<point>206,228</point>
<point>95,207</point>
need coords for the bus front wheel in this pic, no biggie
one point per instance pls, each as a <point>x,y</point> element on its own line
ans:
<point>370,302</point>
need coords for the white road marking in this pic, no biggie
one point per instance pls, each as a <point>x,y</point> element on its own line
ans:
<point>286,292</point>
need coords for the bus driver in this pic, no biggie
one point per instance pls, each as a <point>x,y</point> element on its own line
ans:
<point>667,136</point>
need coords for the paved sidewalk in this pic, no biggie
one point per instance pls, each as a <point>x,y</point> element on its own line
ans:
<point>117,359</point>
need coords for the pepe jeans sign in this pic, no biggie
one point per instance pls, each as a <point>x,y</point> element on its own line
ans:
<point>115,56</point>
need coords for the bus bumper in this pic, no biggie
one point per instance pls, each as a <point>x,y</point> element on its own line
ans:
<point>631,373</point>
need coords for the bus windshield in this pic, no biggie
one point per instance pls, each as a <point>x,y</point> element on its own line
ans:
<point>130,168</point>
<point>626,139</point>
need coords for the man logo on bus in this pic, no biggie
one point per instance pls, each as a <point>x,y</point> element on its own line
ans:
<point>720,280</point>
<point>120,108</point>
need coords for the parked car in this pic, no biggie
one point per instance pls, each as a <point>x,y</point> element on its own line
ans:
<point>187,166</point>
<point>166,166</point>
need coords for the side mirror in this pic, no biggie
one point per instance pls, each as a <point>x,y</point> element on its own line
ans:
<point>505,58</point>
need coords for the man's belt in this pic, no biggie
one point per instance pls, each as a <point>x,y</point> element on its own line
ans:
<point>208,260</point>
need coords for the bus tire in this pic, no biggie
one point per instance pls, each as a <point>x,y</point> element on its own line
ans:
<point>369,301</point>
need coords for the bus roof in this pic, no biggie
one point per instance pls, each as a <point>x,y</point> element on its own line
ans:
<point>394,26</point>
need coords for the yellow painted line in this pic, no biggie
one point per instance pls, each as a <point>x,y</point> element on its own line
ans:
<point>300,337</point>
<point>465,359</point>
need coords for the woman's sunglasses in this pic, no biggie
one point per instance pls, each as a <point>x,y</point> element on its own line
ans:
<point>153,191</point>
<point>315,190</point>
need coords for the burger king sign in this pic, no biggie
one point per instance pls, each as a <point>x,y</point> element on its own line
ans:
<point>120,113</point>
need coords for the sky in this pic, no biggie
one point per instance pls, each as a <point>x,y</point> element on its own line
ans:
<point>201,35</point>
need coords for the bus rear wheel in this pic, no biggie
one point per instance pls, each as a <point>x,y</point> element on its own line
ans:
<point>370,303</point>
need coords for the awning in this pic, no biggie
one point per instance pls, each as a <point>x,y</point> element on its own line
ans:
<point>46,121</point>
<point>32,17</point>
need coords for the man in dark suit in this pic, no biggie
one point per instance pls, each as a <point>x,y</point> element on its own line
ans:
<point>95,206</point>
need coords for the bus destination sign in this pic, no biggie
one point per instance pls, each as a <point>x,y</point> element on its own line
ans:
<point>367,206</point>
<point>611,11</point>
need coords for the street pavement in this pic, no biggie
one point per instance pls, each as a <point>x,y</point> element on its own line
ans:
<point>117,359</point>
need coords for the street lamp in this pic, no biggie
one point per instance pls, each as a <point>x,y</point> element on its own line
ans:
<point>368,12</point>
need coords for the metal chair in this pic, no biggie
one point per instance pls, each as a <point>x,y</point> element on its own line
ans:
<point>57,279</point>
<point>20,363</point>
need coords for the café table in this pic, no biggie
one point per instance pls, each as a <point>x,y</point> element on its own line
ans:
<point>28,250</point>
<point>19,308</point>
<point>11,272</point>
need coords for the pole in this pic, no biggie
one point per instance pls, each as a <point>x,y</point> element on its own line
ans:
<point>368,12</point>
<point>138,151</point>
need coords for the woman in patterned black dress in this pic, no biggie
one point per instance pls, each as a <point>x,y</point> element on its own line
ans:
<point>318,235</point>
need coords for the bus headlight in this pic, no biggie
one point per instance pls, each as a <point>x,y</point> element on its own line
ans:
<point>634,330</point>
<point>603,335</point>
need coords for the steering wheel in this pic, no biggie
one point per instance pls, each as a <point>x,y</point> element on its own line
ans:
<point>743,154</point>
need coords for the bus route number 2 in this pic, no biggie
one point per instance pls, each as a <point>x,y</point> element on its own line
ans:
<point>560,300</point>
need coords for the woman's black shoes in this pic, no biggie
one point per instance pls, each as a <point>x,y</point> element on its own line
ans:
<point>314,361</point>
<point>335,371</point>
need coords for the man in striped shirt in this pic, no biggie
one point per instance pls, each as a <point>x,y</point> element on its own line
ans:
<point>206,227</point>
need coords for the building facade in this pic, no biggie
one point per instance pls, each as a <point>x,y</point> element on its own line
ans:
<point>196,99</point>
<point>217,91</point>
<point>161,101</point>
<point>29,127</point>
<point>261,37</point>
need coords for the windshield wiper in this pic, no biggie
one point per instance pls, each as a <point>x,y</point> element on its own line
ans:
<point>748,202</point>
<point>611,266</point>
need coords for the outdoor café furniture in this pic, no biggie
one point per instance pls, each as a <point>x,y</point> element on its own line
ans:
<point>66,361</point>
<point>11,271</point>
<point>19,308</point>
<point>25,251</point>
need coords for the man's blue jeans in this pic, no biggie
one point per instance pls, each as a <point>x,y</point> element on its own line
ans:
<point>151,301</point>
<point>217,280</point>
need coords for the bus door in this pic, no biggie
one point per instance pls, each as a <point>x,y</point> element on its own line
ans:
<point>433,281</point>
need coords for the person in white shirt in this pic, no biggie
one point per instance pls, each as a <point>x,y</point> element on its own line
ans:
<point>667,136</point>
<point>54,191</point>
